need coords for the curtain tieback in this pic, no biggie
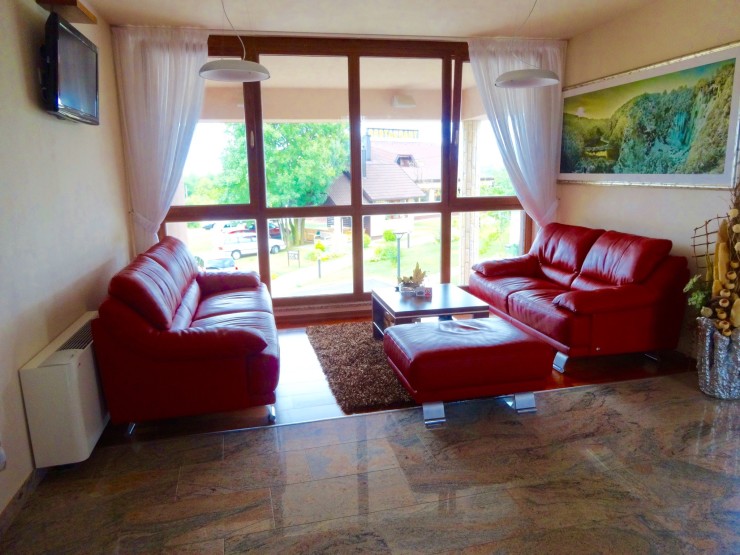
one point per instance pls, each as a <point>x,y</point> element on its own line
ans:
<point>146,223</point>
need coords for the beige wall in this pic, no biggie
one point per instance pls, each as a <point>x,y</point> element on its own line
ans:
<point>63,225</point>
<point>663,30</point>
<point>226,103</point>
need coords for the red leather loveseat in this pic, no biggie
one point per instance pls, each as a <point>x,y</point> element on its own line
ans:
<point>589,292</point>
<point>172,341</point>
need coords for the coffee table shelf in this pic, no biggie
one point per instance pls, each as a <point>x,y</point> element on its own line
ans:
<point>390,307</point>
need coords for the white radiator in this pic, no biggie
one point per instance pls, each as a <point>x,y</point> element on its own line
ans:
<point>64,403</point>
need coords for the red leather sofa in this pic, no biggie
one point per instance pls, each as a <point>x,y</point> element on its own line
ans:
<point>589,292</point>
<point>172,341</point>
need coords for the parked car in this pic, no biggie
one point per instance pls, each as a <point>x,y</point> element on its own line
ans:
<point>216,261</point>
<point>273,228</point>
<point>233,227</point>
<point>245,243</point>
<point>226,226</point>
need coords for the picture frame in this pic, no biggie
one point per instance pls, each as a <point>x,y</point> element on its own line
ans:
<point>670,124</point>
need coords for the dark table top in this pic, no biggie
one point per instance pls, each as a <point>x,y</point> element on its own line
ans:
<point>446,299</point>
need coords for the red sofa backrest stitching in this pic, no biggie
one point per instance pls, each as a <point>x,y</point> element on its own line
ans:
<point>561,250</point>
<point>156,282</point>
<point>619,259</point>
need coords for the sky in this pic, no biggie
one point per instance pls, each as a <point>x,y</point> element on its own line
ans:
<point>208,142</point>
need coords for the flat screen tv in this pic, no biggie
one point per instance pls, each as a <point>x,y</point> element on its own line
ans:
<point>69,72</point>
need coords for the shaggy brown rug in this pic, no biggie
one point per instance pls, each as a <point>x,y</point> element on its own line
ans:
<point>356,368</point>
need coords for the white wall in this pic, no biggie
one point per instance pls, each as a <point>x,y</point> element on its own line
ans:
<point>662,30</point>
<point>63,222</point>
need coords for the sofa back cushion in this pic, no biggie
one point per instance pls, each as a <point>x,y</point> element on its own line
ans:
<point>173,255</point>
<point>155,283</point>
<point>561,250</point>
<point>185,313</point>
<point>620,258</point>
<point>149,289</point>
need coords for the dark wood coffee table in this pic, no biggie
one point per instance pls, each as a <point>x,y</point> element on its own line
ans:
<point>390,307</point>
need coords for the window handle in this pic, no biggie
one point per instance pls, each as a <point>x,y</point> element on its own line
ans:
<point>251,139</point>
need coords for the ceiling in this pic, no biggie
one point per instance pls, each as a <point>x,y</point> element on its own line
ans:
<point>445,19</point>
<point>429,19</point>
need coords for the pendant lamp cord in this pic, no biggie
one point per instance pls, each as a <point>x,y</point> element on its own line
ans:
<point>244,49</point>
<point>529,14</point>
<point>517,31</point>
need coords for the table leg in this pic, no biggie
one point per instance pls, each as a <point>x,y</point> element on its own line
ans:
<point>378,319</point>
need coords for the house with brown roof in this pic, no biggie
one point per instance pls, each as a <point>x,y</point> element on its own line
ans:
<point>382,182</point>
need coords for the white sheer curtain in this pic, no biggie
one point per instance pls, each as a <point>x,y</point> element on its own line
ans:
<point>526,122</point>
<point>161,95</point>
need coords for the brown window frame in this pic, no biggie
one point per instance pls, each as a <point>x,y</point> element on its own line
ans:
<point>452,55</point>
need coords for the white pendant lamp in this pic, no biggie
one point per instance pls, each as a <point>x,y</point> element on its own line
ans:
<point>237,71</point>
<point>529,78</point>
<point>234,71</point>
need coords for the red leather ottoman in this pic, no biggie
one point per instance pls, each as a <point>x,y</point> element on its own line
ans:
<point>465,359</point>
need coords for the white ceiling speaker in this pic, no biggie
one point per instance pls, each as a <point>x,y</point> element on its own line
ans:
<point>403,101</point>
<point>234,71</point>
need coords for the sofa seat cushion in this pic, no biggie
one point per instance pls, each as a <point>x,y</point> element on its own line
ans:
<point>229,302</point>
<point>496,291</point>
<point>135,335</point>
<point>536,309</point>
<point>262,322</point>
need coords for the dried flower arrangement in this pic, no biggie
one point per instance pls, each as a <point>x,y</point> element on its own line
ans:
<point>715,291</point>
<point>415,280</point>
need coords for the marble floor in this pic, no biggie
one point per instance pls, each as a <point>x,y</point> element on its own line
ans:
<point>642,466</point>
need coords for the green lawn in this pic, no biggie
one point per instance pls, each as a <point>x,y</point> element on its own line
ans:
<point>423,246</point>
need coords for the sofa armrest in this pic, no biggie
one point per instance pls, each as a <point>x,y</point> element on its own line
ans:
<point>525,265</point>
<point>606,299</point>
<point>213,342</point>
<point>215,282</point>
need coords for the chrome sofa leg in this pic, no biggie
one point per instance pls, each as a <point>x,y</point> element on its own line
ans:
<point>524,402</point>
<point>434,414</point>
<point>271,416</point>
<point>559,362</point>
<point>654,355</point>
<point>130,429</point>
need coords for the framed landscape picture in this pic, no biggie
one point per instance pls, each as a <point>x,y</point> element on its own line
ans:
<point>671,124</point>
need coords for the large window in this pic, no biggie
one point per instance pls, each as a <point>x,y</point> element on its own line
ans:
<point>216,169</point>
<point>396,243</point>
<point>480,236</point>
<point>355,161</point>
<point>306,136</point>
<point>401,106</point>
<point>481,171</point>
<point>318,265</point>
